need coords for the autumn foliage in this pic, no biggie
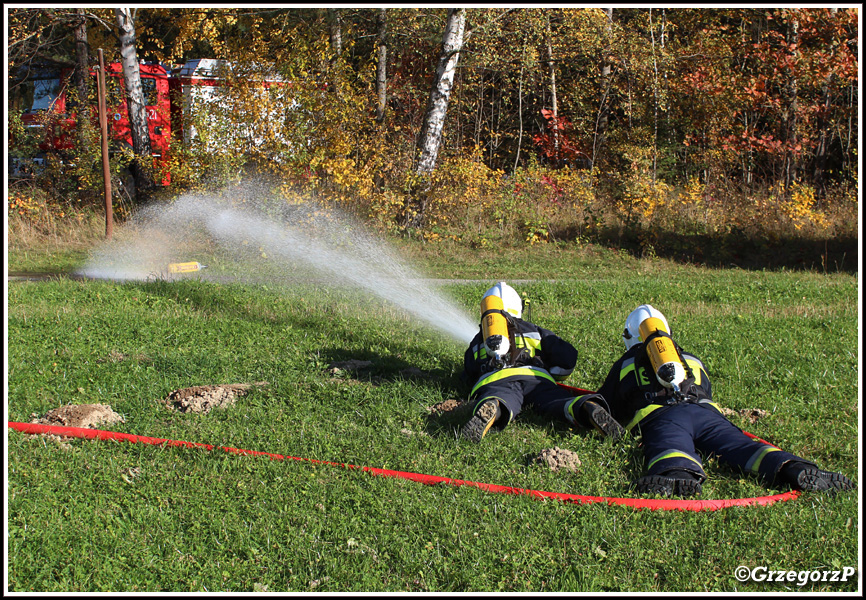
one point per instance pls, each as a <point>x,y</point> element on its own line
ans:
<point>700,121</point>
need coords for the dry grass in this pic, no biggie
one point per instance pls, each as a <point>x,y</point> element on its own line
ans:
<point>77,231</point>
<point>476,210</point>
<point>51,242</point>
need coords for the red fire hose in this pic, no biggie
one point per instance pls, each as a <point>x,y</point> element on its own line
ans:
<point>639,503</point>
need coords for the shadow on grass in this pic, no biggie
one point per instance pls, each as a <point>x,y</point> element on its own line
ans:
<point>836,255</point>
<point>365,365</point>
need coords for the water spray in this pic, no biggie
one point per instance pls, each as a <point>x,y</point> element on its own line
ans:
<point>266,239</point>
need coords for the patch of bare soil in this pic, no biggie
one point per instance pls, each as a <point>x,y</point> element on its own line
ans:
<point>450,411</point>
<point>204,398</point>
<point>557,459</point>
<point>446,406</point>
<point>79,415</point>
<point>76,415</point>
<point>752,415</point>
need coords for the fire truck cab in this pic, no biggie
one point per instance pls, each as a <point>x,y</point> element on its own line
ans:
<point>45,101</point>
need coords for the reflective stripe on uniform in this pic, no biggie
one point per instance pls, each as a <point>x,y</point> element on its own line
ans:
<point>673,453</point>
<point>532,342</point>
<point>569,408</point>
<point>646,410</point>
<point>627,367</point>
<point>527,371</point>
<point>697,368</point>
<point>640,415</point>
<point>754,462</point>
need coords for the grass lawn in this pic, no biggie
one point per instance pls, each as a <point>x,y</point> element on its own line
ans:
<point>88,516</point>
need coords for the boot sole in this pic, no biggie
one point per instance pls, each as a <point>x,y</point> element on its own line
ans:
<point>815,480</point>
<point>480,423</point>
<point>666,486</point>
<point>605,423</point>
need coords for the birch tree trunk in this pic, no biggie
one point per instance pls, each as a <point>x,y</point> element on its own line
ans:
<point>135,103</point>
<point>823,137</point>
<point>414,210</point>
<point>335,28</point>
<point>790,121</point>
<point>520,109</point>
<point>655,97</point>
<point>440,93</point>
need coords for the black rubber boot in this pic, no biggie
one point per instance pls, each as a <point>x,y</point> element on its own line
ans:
<point>809,478</point>
<point>481,422</point>
<point>602,420</point>
<point>670,483</point>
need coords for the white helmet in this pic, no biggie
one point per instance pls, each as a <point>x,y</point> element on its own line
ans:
<point>631,333</point>
<point>510,298</point>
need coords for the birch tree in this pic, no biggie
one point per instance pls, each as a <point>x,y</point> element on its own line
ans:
<point>823,134</point>
<point>437,106</point>
<point>134,98</point>
<point>551,74</point>
<point>430,139</point>
<point>791,109</point>
<point>335,31</point>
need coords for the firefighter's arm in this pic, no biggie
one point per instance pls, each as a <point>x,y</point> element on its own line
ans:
<point>699,372</point>
<point>558,355</point>
<point>611,389</point>
<point>471,364</point>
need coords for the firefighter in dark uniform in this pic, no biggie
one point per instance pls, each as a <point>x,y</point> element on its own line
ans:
<point>678,419</point>
<point>523,366</point>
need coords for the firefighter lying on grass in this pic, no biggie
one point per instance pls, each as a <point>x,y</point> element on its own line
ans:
<point>665,394</point>
<point>511,363</point>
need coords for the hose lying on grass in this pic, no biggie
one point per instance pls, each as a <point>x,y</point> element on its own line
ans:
<point>638,503</point>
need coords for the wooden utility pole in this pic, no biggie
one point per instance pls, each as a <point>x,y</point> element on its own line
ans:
<point>103,126</point>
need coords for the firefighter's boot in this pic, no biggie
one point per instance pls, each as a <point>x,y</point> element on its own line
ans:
<point>809,478</point>
<point>602,420</point>
<point>481,422</point>
<point>678,482</point>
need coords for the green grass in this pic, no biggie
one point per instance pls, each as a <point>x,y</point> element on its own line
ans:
<point>112,516</point>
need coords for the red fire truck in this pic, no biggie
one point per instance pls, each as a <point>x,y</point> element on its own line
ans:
<point>45,101</point>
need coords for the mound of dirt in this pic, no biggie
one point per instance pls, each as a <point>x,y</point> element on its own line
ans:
<point>558,458</point>
<point>204,398</point>
<point>446,406</point>
<point>752,415</point>
<point>79,415</point>
<point>76,415</point>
